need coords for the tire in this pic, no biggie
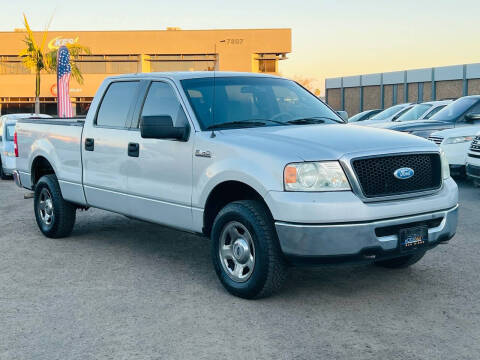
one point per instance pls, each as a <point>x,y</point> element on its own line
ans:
<point>3,176</point>
<point>252,225</point>
<point>401,262</point>
<point>55,217</point>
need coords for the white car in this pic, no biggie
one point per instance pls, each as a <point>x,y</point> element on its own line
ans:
<point>388,115</point>
<point>455,143</point>
<point>473,160</point>
<point>7,151</point>
<point>424,110</point>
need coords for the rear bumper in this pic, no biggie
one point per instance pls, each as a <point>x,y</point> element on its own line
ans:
<point>16,178</point>
<point>367,240</point>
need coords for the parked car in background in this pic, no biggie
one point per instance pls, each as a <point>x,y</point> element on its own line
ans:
<point>7,151</point>
<point>462,112</point>
<point>473,160</point>
<point>257,163</point>
<point>455,143</point>
<point>388,115</point>
<point>423,110</point>
<point>364,115</point>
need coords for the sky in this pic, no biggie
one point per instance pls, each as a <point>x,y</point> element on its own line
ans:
<point>329,38</point>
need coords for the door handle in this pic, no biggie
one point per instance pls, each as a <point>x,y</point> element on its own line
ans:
<point>89,144</point>
<point>133,149</point>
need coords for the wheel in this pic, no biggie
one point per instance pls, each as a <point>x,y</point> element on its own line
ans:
<point>55,216</point>
<point>401,262</point>
<point>245,250</point>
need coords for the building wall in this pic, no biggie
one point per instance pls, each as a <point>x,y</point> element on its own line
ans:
<point>352,100</point>
<point>335,98</point>
<point>474,87</point>
<point>427,91</point>
<point>449,89</point>
<point>388,95</point>
<point>413,92</point>
<point>371,98</point>
<point>252,50</point>
<point>450,82</point>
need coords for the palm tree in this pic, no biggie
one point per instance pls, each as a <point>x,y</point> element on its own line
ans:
<point>37,59</point>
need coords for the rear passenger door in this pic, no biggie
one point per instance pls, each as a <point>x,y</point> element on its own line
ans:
<point>160,175</point>
<point>105,148</point>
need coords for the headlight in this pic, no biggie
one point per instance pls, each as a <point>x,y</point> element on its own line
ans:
<point>459,139</point>
<point>445,165</point>
<point>315,176</point>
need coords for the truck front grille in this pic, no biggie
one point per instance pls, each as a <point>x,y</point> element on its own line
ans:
<point>436,139</point>
<point>376,174</point>
<point>475,147</point>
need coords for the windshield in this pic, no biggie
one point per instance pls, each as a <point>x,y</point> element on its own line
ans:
<point>388,112</point>
<point>9,133</point>
<point>232,102</point>
<point>415,112</point>
<point>455,109</point>
<point>359,116</point>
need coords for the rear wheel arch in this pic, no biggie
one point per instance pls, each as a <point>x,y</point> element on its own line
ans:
<point>41,167</point>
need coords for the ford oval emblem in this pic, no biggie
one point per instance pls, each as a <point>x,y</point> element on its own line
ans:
<point>403,173</point>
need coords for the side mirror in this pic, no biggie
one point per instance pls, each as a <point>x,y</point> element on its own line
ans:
<point>161,127</point>
<point>343,115</point>
<point>472,116</point>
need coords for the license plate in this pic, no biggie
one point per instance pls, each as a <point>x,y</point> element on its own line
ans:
<point>413,238</point>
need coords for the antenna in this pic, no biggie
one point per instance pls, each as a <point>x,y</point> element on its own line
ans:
<point>212,135</point>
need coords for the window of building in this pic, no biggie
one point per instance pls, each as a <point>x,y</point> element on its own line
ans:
<point>162,101</point>
<point>12,64</point>
<point>182,62</point>
<point>267,65</point>
<point>107,64</point>
<point>116,104</point>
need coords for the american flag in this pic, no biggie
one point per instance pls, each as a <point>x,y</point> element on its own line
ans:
<point>64,72</point>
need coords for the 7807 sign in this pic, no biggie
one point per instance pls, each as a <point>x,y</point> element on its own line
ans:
<point>234,41</point>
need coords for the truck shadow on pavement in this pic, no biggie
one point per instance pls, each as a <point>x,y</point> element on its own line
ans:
<point>187,257</point>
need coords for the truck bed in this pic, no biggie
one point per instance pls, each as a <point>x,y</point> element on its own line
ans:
<point>59,140</point>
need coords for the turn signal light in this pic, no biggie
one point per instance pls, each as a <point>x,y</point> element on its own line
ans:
<point>290,175</point>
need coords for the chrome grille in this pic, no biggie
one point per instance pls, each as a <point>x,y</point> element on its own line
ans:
<point>475,144</point>
<point>436,139</point>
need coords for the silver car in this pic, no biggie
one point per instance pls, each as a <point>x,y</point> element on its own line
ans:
<point>7,150</point>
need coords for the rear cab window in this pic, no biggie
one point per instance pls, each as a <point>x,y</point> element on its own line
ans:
<point>9,133</point>
<point>115,109</point>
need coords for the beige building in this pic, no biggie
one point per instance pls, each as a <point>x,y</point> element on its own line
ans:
<point>119,52</point>
<point>379,91</point>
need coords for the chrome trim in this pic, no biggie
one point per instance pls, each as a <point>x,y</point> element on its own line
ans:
<point>16,178</point>
<point>311,240</point>
<point>346,162</point>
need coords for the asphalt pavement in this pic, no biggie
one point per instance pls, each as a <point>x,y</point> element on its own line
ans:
<point>124,289</point>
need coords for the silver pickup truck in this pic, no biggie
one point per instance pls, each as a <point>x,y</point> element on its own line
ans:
<point>257,163</point>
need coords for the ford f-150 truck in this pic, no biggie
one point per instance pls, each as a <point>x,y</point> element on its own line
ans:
<point>255,162</point>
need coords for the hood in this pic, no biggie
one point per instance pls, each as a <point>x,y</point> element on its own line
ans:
<point>458,131</point>
<point>322,142</point>
<point>415,124</point>
<point>373,122</point>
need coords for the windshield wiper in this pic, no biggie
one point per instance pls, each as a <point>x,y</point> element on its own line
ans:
<point>236,123</point>
<point>311,120</point>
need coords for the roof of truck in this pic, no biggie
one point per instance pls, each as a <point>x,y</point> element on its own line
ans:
<point>182,75</point>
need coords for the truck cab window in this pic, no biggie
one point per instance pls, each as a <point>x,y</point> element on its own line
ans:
<point>161,100</point>
<point>116,104</point>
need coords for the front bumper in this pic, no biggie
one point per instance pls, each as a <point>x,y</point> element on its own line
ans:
<point>367,240</point>
<point>473,171</point>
